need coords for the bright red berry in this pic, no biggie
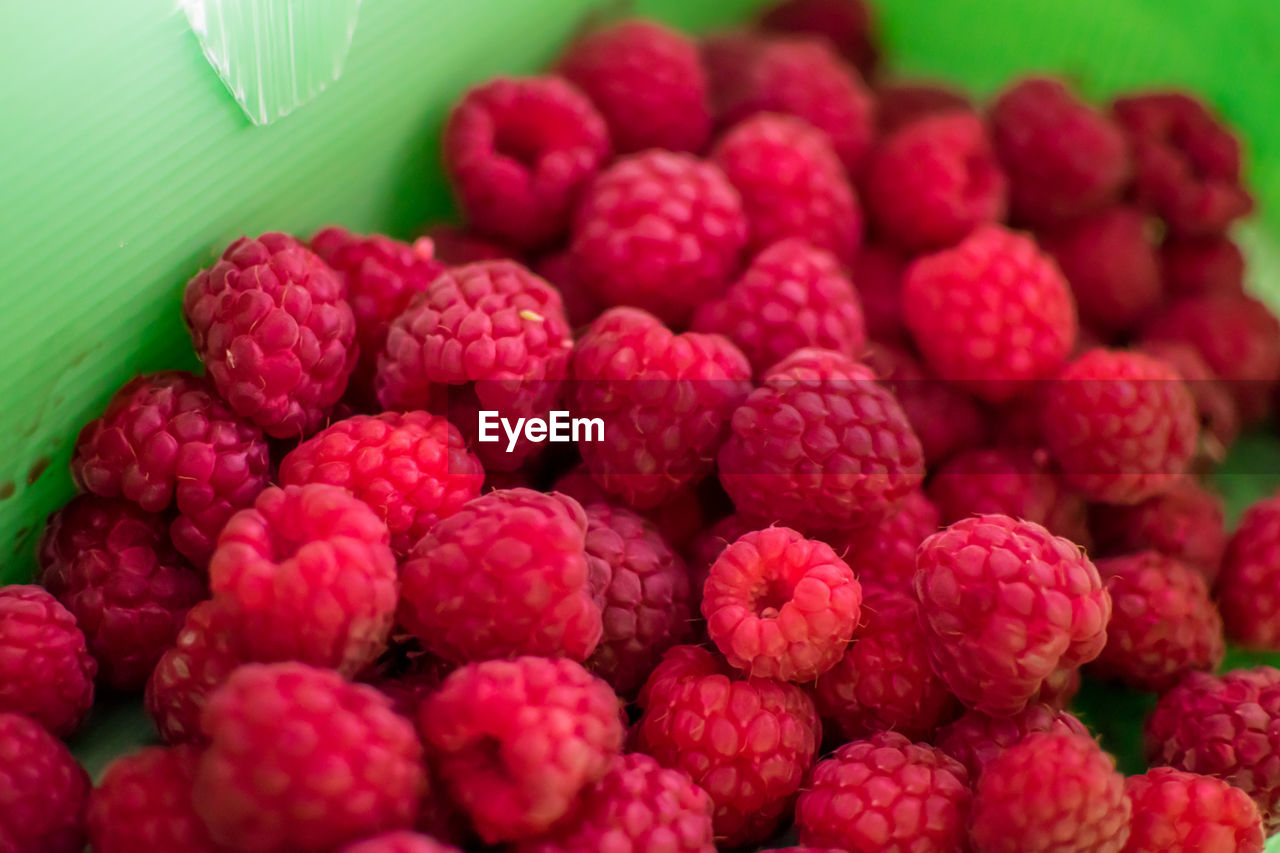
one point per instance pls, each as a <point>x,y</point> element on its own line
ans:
<point>43,790</point>
<point>1176,811</point>
<point>1219,414</point>
<point>1185,523</point>
<point>202,657</point>
<point>977,738</point>
<point>144,803</point>
<point>1248,588</point>
<point>46,672</point>
<point>883,555</point>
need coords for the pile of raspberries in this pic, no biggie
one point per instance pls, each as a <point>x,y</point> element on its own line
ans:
<point>906,404</point>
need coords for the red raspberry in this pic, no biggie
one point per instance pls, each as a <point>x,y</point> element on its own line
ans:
<point>1174,811</point>
<point>1187,163</point>
<point>992,313</point>
<point>1185,523</point>
<point>900,104</point>
<point>826,449</point>
<point>1122,426</point>
<point>46,672</point>
<point>791,183</point>
<point>272,325</point>
<point>638,806</point>
<point>1224,726</point>
<point>748,743</point>
<point>456,246</point>
<point>659,231</point>
<point>977,738</point>
<point>1064,158</point>
<point>1110,262</point>
<point>113,567</point>
<point>518,152</point>
<point>1219,415</point>
<point>679,518</point>
<point>791,296</point>
<point>201,659</point>
<point>1005,603</point>
<point>664,400</point>
<point>886,793</point>
<point>42,790</point>
<point>781,606</point>
<point>580,305</point>
<point>310,577</point>
<point>166,440</point>
<point>1248,588</point>
<point>517,741</point>
<point>412,469</point>
<point>1051,791</point>
<point>883,682</point>
<point>504,575</point>
<point>647,82</point>
<point>848,24</point>
<point>144,803</point>
<point>645,591</point>
<point>883,555</point>
<point>275,731</point>
<point>707,547</point>
<point>1198,266</point>
<point>934,181</point>
<point>1003,480</point>
<point>400,842</point>
<point>877,276</point>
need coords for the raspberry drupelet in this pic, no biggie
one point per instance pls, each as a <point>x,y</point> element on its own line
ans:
<point>143,802</point>
<point>201,659</point>
<point>1248,588</point>
<point>1175,811</point>
<point>46,672</point>
<point>976,738</point>
<point>43,790</point>
<point>1186,523</point>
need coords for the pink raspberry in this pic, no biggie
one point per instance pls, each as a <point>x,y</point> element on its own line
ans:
<point>1003,480</point>
<point>517,741</point>
<point>1198,266</point>
<point>1248,588</point>
<point>309,576</point>
<point>1173,811</point>
<point>1121,426</point>
<point>1064,158</point>
<point>504,575</point>
<point>664,400</point>
<point>144,803</point>
<point>1227,727</point>
<point>886,793</point>
<point>1047,791</point>
<point>1185,523</point>
<point>883,682</point>
<point>993,313</point>
<point>400,842</point>
<point>42,790</point>
<point>113,567</point>
<point>647,82</point>
<point>275,731</point>
<point>748,743</point>
<point>792,184</point>
<point>200,661</point>
<point>975,739</point>
<point>877,276</point>
<point>518,152</point>
<point>848,24</point>
<point>272,325</point>
<point>781,606</point>
<point>1005,603</point>
<point>1219,415</point>
<point>46,672</point>
<point>457,246</point>
<point>824,449</point>
<point>679,518</point>
<point>166,440</point>
<point>883,556</point>
<point>412,469</point>
<point>932,182</point>
<point>791,296</point>
<point>903,103</point>
<point>660,231</point>
<point>1187,162</point>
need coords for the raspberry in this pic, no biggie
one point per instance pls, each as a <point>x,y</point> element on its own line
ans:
<point>1173,811</point>
<point>992,313</point>
<point>848,24</point>
<point>504,575</point>
<point>748,743</point>
<point>457,246</point>
<point>1110,262</point>
<point>1249,586</point>
<point>412,469</point>
<point>877,276</point>
<point>977,738</point>
<point>400,842</point>
<point>665,398</point>
<point>144,803</point>
<point>638,806</point>
<point>272,325</point>
<point>166,440</point>
<point>517,741</point>
<point>884,555</point>
<point>275,730</point>
<point>1051,792</point>
<point>309,576</point>
<point>580,305</point>
<point>883,681</point>
<point>1187,163</point>
<point>1064,158</point>
<point>645,591</point>
<point>1198,266</point>
<point>202,657</point>
<point>1224,726</point>
<point>1121,425</point>
<point>1006,481</point>
<point>901,104</point>
<point>42,790</point>
<point>791,183</point>
<point>886,793</point>
<point>781,606</point>
<point>707,547</point>
<point>726,55</point>
<point>659,231</point>
<point>113,567</point>
<point>518,152</point>
<point>934,181</point>
<point>647,82</point>
<point>1185,523</point>
<point>1218,414</point>
<point>679,518</point>
<point>826,449</point>
<point>791,296</point>
<point>1005,603</point>
<point>46,672</point>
